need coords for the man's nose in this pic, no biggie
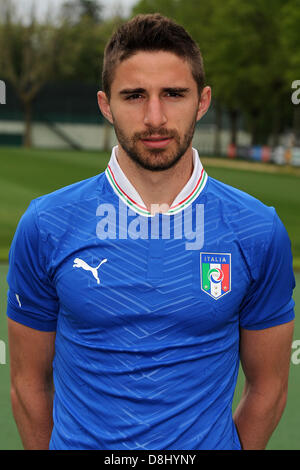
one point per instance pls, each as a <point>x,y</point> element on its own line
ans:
<point>154,113</point>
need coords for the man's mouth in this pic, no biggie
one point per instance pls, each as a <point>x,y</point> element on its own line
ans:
<point>156,142</point>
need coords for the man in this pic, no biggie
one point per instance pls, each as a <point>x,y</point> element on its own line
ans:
<point>148,283</point>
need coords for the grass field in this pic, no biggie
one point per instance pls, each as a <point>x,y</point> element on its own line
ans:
<point>27,174</point>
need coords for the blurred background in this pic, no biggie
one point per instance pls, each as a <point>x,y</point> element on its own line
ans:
<point>52,133</point>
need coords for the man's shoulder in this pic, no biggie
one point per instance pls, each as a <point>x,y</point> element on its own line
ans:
<point>71,194</point>
<point>236,201</point>
<point>255,226</point>
<point>252,221</point>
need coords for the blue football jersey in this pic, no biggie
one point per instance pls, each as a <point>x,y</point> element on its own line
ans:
<point>147,308</point>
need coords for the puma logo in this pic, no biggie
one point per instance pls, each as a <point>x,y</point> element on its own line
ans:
<point>79,263</point>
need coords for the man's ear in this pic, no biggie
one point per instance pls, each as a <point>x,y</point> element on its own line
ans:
<point>104,106</point>
<point>204,102</point>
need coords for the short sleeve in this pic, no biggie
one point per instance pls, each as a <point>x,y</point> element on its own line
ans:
<point>31,299</point>
<point>269,301</point>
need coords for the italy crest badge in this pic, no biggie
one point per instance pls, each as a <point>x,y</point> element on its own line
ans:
<point>215,274</point>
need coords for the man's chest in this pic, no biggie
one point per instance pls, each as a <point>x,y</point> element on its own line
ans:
<point>153,286</point>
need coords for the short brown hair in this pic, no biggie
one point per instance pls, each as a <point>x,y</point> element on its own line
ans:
<point>152,32</point>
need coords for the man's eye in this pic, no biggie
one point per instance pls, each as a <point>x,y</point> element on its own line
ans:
<point>173,94</point>
<point>135,96</point>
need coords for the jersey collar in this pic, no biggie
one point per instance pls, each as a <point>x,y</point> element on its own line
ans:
<point>127,192</point>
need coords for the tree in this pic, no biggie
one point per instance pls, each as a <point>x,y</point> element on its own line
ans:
<point>35,53</point>
<point>164,7</point>
<point>240,43</point>
<point>81,54</point>
<point>73,11</point>
<point>243,62</point>
<point>290,43</point>
<point>27,59</point>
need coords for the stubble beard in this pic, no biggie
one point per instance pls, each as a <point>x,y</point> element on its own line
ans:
<point>155,159</point>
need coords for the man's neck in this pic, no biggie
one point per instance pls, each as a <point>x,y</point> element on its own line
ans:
<point>157,187</point>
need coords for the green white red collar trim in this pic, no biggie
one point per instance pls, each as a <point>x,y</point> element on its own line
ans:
<point>129,195</point>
